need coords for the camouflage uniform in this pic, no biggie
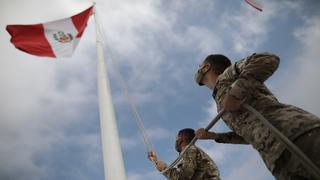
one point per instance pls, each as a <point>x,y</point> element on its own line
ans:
<point>245,79</point>
<point>288,167</point>
<point>195,165</point>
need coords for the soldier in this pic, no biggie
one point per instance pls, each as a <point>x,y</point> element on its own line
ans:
<point>244,80</point>
<point>195,164</point>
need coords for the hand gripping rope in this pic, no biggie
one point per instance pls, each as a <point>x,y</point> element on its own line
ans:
<point>304,160</point>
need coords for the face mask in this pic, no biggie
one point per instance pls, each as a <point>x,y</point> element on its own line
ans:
<point>199,77</point>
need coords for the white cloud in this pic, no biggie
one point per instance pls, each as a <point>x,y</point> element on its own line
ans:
<point>155,175</point>
<point>236,161</point>
<point>248,28</point>
<point>159,133</point>
<point>154,135</point>
<point>141,32</point>
<point>300,86</point>
<point>251,168</point>
<point>41,98</point>
<point>128,143</point>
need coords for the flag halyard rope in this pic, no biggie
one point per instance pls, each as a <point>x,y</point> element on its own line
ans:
<point>138,120</point>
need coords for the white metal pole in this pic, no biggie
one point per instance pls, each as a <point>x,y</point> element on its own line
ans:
<point>111,149</point>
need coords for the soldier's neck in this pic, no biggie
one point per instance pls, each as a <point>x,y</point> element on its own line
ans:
<point>183,147</point>
<point>212,82</point>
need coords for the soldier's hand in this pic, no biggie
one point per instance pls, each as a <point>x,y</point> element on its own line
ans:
<point>203,134</point>
<point>231,103</point>
<point>152,156</point>
<point>161,165</point>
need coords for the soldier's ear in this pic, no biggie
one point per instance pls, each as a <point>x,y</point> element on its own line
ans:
<point>214,70</point>
<point>184,139</point>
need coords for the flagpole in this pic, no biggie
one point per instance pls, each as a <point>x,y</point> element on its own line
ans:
<point>111,149</point>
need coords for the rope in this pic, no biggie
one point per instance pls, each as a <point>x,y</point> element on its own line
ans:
<point>137,117</point>
<point>139,122</point>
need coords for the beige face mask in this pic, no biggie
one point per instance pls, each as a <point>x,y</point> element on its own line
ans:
<point>198,77</point>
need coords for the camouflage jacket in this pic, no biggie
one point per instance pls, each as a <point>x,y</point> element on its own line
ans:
<point>245,79</point>
<point>195,165</point>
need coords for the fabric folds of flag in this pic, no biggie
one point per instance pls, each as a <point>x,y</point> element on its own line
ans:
<point>52,39</point>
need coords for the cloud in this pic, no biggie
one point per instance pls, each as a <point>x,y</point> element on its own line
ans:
<point>49,123</point>
<point>248,165</point>
<point>128,143</point>
<point>159,133</point>
<point>40,113</point>
<point>142,44</point>
<point>300,86</point>
<point>236,161</point>
<point>154,134</point>
<point>145,175</point>
<point>248,29</point>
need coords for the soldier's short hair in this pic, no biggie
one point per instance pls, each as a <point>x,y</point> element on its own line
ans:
<point>188,133</point>
<point>218,61</point>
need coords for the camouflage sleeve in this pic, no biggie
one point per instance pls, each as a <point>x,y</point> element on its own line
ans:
<point>230,137</point>
<point>185,169</point>
<point>253,71</point>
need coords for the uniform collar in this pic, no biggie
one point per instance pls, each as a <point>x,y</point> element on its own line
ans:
<point>215,90</point>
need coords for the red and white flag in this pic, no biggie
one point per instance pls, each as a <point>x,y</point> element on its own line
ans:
<point>52,39</point>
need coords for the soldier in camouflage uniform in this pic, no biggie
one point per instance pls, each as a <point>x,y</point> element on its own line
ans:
<point>245,80</point>
<point>195,164</point>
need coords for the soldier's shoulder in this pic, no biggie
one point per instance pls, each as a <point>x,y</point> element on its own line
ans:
<point>239,64</point>
<point>260,55</point>
<point>254,55</point>
<point>192,150</point>
<point>228,73</point>
<point>201,151</point>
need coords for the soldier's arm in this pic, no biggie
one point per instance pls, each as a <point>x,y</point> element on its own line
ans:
<point>230,137</point>
<point>253,71</point>
<point>186,168</point>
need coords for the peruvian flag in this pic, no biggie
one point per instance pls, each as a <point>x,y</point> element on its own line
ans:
<point>52,39</point>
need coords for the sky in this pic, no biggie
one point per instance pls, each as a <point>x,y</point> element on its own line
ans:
<point>49,118</point>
